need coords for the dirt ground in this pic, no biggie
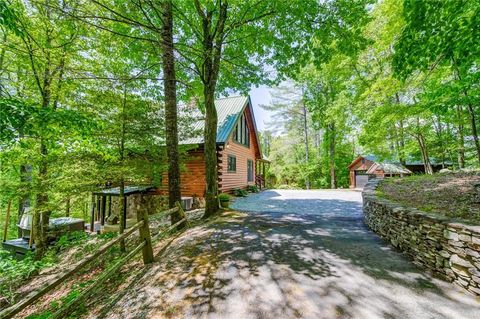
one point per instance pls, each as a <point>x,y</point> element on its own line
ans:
<point>455,195</point>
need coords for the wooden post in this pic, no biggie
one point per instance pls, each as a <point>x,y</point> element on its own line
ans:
<point>97,215</point>
<point>31,239</point>
<point>67,207</point>
<point>92,217</point>
<point>144,231</point>
<point>104,205</point>
<point>124,212</point>
<point>182,214</point>
<point>263,174</point>
<point>109,205</point>
<point>7,221</point>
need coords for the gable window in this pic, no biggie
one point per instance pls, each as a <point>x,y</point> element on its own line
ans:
<point>241,134</point>
<point>249,170</point>
<point>231,163</point>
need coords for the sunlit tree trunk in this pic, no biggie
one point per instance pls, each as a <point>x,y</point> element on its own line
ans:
<point>331,155</point>
<point>305,132</point>
<point>213,38</point>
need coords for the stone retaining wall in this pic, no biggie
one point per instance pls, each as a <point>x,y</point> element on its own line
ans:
<point>450,250</point>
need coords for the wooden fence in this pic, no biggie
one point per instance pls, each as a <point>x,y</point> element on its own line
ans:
<point>145,246</point>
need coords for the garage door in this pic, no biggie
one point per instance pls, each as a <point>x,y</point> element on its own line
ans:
<point>361,180</point>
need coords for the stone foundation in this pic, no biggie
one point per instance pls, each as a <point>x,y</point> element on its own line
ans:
<point>151,203</point>
<point>449,250</point>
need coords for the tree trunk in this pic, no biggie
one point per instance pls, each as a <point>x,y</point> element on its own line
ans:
<point>67,207</point>
<point>438,125</point>
<point>41,210</point>
<point>213,39</point>
<point>471,112</point>
<point>460,138</point>
<point>170,92</point>
<point>24,199</point>
<point>423,149</point>
<point>211,177</point>
<point>121,208</point>
<point>305,130</point>
<point>473,125</point>
<point>121,204</point>
<point>331,147</point>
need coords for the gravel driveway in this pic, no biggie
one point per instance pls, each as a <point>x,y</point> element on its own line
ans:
<point>292,254</point>
<point>319,260</point>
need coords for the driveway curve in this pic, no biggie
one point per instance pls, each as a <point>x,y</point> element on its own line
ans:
<point>288,254</point>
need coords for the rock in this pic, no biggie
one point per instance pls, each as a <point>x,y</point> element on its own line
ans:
<point>473,253</point>
<point>476,240</point>
<point>474,290</point>
<point>456,243</point>
<point>476,279</point>
<point>449,273</point>
<point>452,235</point>
<point>462,282</point>
<point>444,254</point>
<point>474,271</point>
<point>460,271</point>
<point>466,238</point>
<point>456,260</point>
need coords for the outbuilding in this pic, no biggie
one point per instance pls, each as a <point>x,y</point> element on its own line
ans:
<point>365,167</point>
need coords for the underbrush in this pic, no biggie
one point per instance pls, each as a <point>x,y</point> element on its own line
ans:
<point>15,274</point>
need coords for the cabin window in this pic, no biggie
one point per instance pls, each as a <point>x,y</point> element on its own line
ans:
<point>232,164</point>
<point>249,170</point>
<point>241,134</point>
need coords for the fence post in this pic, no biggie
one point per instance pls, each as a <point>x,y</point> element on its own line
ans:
<point>144,230</point>
<point>182,214</point>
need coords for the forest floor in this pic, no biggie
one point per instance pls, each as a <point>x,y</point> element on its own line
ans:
<point>289,254</point>
<point>18,278</point>
<point>454,195</point>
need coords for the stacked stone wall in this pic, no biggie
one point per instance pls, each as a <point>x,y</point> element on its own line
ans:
<point>449,249</point>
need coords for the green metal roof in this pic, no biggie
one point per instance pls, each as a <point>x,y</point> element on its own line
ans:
<point>228,111</point>
<point>389,168</point>
<point>115,191</point>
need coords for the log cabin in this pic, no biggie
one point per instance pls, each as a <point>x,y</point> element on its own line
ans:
<point>239,157</point>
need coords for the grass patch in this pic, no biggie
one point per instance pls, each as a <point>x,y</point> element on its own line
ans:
<point>453,195</point>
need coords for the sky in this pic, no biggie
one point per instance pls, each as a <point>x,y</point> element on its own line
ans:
<point>261,96</point>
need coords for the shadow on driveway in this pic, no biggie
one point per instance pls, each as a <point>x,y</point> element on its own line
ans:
<point>292,254</point>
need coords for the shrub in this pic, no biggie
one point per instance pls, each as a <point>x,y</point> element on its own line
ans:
<point>224,197</point>
<point>253,188</point>
<point>240,192</point>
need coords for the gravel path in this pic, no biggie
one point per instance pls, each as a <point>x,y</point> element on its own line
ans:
<point>293,254</point>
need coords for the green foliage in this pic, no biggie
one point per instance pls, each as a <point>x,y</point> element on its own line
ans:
<point>14,272</point>
<point>71,239</point>
<point>240,192</point>
<point>252,188</point>
<point>223,197</point>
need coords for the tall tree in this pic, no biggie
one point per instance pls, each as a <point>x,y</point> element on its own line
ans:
<point>171,121</point>
<point>443,33</point>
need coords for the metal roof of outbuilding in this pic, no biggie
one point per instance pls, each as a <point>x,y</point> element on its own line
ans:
<point>389,168</point>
